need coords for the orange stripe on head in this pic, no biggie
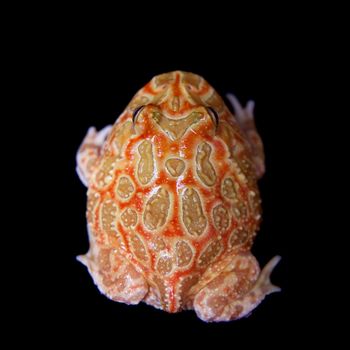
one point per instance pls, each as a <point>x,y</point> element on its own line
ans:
<point>149,90</point>
<point>176,85</point>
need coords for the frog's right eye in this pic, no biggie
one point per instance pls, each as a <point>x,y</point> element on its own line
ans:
<point>213,115</point>
<point>136,113</point>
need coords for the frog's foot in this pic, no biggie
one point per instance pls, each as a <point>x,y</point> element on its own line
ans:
<point>89,153</point>
<point>245,118</point>
<point>236,291</point>
<point>114,276</point>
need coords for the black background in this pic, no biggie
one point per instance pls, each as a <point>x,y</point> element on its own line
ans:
<point>87,86</point>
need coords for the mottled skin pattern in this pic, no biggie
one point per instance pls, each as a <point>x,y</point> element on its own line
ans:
<point>173,204</point>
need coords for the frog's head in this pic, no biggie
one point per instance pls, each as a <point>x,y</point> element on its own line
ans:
<point>179,96</point>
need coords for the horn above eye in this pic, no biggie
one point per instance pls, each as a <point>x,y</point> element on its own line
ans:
<point>136,113</point>
<point>213,115</point>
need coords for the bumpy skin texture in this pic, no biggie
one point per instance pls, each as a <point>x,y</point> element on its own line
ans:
<point>173,204</point>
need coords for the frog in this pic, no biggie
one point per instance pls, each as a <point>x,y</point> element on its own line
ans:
<point>173,204</point>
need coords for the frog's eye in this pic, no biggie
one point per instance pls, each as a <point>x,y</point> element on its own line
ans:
<point>136,113</point>
<point>213,115</point>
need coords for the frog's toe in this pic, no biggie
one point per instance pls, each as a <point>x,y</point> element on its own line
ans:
<point>89,152</point>
<point>245,119</point>
<point>102,135</point>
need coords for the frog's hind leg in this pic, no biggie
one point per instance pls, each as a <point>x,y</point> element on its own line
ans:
<point>236,291</point>
<point>89,153</point>
<point>114,276</point>
<point>245,118</point>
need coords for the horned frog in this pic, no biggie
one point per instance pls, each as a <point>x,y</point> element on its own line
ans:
<point>173,204</point>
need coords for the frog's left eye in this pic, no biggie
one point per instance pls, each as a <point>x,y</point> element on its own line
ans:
<point>136,113</point>
<point>213,115</point>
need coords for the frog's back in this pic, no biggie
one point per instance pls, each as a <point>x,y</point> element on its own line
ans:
<point>175,190</point>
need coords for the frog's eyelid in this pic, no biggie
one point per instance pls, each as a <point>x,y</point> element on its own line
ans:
<point>214,115</point>
<point>136,113</point>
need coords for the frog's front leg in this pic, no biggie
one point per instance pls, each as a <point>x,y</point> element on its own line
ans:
<point>236,291</point>
<point>89,152</point>
<point>245,118</point>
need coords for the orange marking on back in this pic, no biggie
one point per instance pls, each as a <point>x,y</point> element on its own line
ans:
<point>176,85</point>
<point>162,145</point>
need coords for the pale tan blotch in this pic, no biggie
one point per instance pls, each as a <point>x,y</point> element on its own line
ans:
<point>215,101</point>
<point>93,199</point>
<point>245,165</point>
<point>125,188</point>
<point>121,137</point>
<point>163,79</point>
<point>145,169</point>
<point>210,253</point>
<point>191,79</point>
<point>183,253</point>
<point>105,175</point>
<point>157,244</point>
<point>192,96</point>
<point>108,216</point>
<point>129,217</point>
<point>175,166</point>
<point>238,236</point>
<point>240,210</point>
<point>138,101</point>
<point>192,212</point>
<point>205,169</point>
<point>221,218</point>
<point>164,265</point>
<point>156,210</point>
<point>159,98</point>
<point>176,128</point>
<point>138,248</point>
<point>229,189</point>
